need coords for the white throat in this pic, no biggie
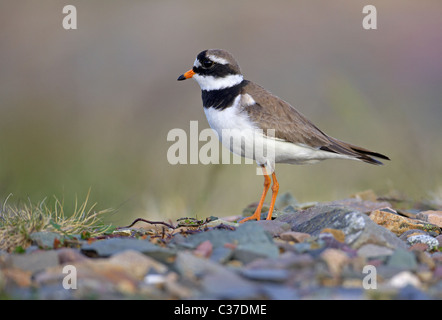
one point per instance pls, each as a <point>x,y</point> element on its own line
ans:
<point>209,83</point>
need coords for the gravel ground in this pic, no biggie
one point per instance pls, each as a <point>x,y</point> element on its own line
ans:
<point>346,249</point>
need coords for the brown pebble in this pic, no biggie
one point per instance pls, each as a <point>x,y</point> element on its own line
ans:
<point>296,237</point>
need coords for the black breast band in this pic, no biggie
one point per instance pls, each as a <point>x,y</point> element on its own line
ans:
<point>222,98</point>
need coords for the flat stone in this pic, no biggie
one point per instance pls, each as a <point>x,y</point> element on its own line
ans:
<point>247,253</point>
<point>274,227</point>
<point>430,241</point>
<point>108,247</point>
<point>70,255</point>
<point>249,241</point>
<point>35,261</point>
<point>273,275</point>
<point>360,205</point>
<point>431,216</point>
<point>402,259</point>
<point>228,286</point>
<point>357,227</point>
<point>373,251</point>
<point>137,263</point>
<point>44,239</point>
<point>411,232</point>
<point>398,224</point>
<point>193,267</point>
<point>294,236</point>
<point>221,254</point>
<point>287,261</point>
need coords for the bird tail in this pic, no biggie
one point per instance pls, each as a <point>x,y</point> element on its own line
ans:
<point>340,147</point>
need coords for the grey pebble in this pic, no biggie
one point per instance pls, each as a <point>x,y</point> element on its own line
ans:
<point>432,242</point>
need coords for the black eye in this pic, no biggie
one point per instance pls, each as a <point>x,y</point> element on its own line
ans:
<point>206,63</point>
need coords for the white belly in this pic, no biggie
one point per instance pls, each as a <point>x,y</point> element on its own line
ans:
<point>234,129</point>
<point>241,136</point>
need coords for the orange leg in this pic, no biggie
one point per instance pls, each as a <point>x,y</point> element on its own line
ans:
<point>275,189</point>
<point>257,214</point>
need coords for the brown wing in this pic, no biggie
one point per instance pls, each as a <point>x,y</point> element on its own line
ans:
<point>274,113</point>
<point>290,125</point>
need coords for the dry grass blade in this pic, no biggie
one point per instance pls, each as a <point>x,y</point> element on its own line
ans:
<point>18,222</point>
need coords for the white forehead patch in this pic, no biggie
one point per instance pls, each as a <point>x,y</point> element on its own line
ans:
<point>217,59</point>
<point>197,63</point>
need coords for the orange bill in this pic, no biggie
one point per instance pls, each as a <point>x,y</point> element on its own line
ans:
<point>187,75</point>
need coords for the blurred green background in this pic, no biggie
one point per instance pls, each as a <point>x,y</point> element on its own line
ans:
<point>91,108</point>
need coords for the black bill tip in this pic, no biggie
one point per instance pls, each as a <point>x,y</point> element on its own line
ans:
<point>181,77</point>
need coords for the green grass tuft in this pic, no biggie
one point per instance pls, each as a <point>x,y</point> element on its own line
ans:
<point>18,222</point>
